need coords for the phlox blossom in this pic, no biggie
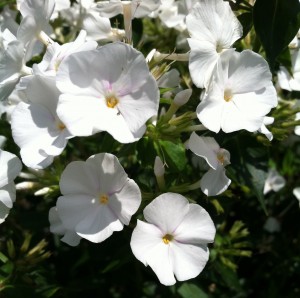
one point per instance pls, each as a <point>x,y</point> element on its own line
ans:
<point>239,95</point>
<point>10,167</point>
<point>36,127</point>
<point>97,199</point>
<point>107,89</point>
<point>213,29</point>
<point>215,181</point>
<point>174,239</point>
<point>273,182</point>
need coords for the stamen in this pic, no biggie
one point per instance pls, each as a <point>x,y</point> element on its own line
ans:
<point>103,199</point>
<point>61,126</point>
<point>228,95</point>
<point>167,238</point>
<point>111,101</point>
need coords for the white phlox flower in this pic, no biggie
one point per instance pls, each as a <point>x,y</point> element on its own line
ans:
<point>7,20</point>
<point>239,95</point>
<point>36,128</point>
<point>56,227</point>
<point>174,239</point>
<point>86,16</point>
<point>108,89</point>
<point>139,8</point>
<point>285,80</point>
<point>215,181</point>
<point>273,182</point>
<point>213,28</point>
<point>60,5</point>
<point>56,53</point>
<point>10,167</point>
<point>12,63</point>
<point>36,15</point>
<point>97,198</point>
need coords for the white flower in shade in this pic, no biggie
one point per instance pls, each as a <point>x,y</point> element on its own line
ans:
<point>273,182</point>
<point>108,89</point>
<point>296,193</point>
<point>36,128</point>
<point>285,80</point>
<point>215,180</point>
<point>139,8</point>
<point>240,93</point>
<point>174,239</point>
<point>56,227</point>
<point>56,53</point>
<point>213,28</point>
<point>36,15</point>
<point>10,167</point>
<point>98,197</point>
<point>297,127</point>
<point>12,63</point>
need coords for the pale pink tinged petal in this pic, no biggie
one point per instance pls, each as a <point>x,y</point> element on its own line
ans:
<point>10,167</point>
<point>214,182</point>
<point>56,225</point>
<point>188,260</point>
<point>108,172</point>
<point>248,72</point>
<point>71,238</point>
<point>202,60</point>
<point>99,224</point>
<point>8,194</point>
<point>284,79</point>
<point>126,202</point>
<point>167,211</point>
<point>79,178</point>
<point>205,147</point>
<point>145,237</point>
<point>196,228</point>
<point>3,212</point>
<point>210,114</point>
<point>72,209</point>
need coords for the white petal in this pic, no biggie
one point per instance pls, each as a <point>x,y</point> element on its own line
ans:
<point>214,182</point>
<point>72,209</point>
<point>10,167</point>
<point>3,212</point>
<point>126,202</point>
<point>206,147</point>
<point>99,224</point>
<point>79,177</point>
<point>8,194</point>
<point>148,247</point>
<point>167,211</point>
<point>188,260</point>
<point>56,225</point>
<point>71,238</point>
<point>196,228</point>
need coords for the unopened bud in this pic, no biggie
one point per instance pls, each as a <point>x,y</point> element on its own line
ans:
<point>182,97</point>
<point>159,169</point>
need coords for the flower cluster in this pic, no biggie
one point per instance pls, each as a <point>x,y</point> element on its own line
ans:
<point>96,82</point>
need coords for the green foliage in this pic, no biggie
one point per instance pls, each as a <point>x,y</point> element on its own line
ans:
<point>276,23</point>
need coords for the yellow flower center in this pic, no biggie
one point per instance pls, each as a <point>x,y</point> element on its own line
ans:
<point>61,126</point>
<point>103,199</point>
<point>167,238</point>
<point>220,158</point>
<point>111,100</point>
<point>228,95</point>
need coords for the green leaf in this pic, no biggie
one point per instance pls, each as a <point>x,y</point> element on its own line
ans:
<point>188,290</point>
<point>173,154</point>
<point>276,23</point>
